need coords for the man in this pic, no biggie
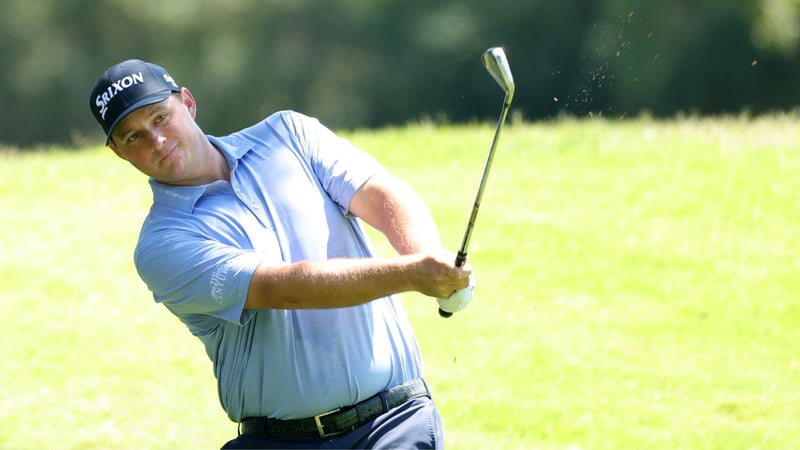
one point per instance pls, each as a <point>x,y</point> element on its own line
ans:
<point>255,241</point>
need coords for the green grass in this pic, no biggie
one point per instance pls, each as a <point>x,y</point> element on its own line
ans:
<point>637,288</point>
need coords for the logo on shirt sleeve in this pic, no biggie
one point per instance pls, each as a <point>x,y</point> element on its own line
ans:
<point>218,279</point>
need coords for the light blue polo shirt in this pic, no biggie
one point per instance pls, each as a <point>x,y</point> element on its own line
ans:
<point>291,182</point>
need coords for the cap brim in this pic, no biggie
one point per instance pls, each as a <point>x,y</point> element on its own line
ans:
<point>148,100</point>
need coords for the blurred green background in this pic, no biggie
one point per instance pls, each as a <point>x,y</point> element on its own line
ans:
<point>357,63</point>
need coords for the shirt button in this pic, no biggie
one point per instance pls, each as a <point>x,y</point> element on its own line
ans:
<point>255,206</point>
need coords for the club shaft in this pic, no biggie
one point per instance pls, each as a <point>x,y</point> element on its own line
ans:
<point>461,257</point>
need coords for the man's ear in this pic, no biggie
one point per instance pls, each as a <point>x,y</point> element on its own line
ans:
<point>189,102</point>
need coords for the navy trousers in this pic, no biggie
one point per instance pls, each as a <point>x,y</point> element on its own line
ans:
<point>413,425</point>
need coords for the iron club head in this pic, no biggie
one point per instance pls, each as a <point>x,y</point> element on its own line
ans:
<point>494,59</point>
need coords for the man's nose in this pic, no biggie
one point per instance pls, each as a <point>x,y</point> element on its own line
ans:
<point>158,139</point>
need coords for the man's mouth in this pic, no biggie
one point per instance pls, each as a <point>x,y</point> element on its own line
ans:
<point>168,155</point>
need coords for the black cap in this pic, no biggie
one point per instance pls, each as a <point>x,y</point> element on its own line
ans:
<point>126,87</point>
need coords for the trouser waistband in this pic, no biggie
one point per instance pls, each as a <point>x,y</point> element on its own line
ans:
<point>339,420</point>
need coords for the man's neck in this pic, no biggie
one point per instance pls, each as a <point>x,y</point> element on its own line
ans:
<point>221,168</point>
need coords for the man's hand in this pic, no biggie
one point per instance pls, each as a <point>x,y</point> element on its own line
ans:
<point>438,275</point>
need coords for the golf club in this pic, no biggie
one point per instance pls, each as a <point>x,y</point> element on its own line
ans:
<point>494,59</point>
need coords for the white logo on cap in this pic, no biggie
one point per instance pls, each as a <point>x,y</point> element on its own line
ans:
<point>116,87</point>
<point>170,80</point>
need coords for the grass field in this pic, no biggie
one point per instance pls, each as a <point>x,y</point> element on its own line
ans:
<point>637,288</point>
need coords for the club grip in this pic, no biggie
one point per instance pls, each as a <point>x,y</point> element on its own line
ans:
<point>461,257</point>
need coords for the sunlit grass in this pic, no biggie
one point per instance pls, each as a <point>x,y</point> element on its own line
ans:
<point>637,288</point>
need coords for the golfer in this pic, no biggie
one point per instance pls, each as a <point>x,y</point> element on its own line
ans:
<point>255,241</point>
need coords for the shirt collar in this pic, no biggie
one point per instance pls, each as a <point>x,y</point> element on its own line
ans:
<point>184,198</point>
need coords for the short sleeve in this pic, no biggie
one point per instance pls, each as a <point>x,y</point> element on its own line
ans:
<point>194,275</point>
<point>341,167</point>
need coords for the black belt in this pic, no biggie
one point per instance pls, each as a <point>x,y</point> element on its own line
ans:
<point>339,420</point>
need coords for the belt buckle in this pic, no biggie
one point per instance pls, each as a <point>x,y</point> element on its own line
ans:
<point>322,433</point>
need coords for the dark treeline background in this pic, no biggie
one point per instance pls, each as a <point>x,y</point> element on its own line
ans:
<point>369,63</point>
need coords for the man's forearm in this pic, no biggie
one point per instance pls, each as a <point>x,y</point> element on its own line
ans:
<point>333,283</point>
<point>339,283</point>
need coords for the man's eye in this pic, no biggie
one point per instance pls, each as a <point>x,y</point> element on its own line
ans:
<point>133,137</point>
<point>161,117</point>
